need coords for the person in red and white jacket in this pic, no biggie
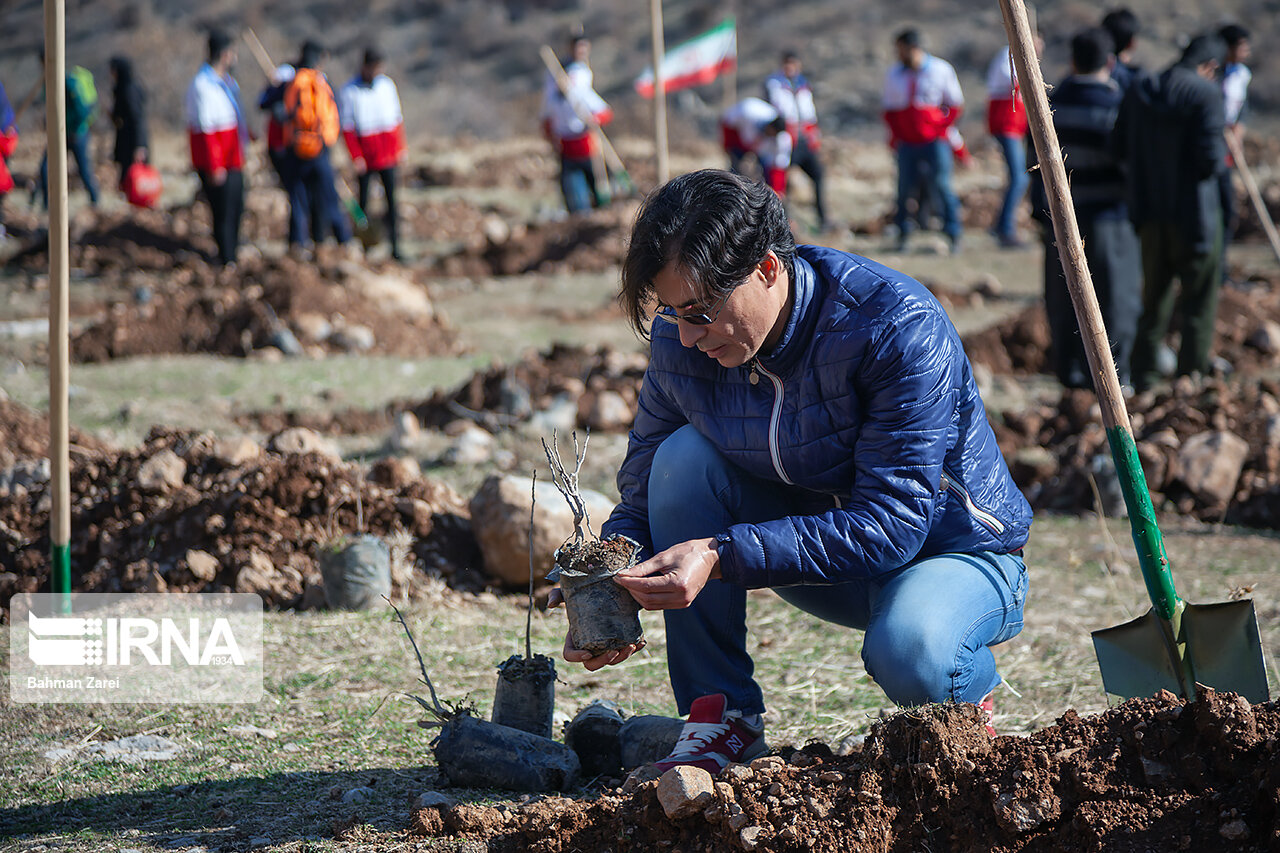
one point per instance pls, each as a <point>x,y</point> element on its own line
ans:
<point>217,131</point>
<point>753,127</point>
<point>373,127</point>
<point>1007,122</point>
<point>922,100</point>
<point>787,91</point>
<point>562,123</point>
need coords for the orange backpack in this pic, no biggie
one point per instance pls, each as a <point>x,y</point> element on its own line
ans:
<point>312,123</point>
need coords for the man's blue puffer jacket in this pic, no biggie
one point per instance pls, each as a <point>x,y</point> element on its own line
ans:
<point>869,398</point>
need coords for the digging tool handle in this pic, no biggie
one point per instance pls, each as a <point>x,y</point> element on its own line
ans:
<point>1115,416</point>
<point>27,100</point>
<point>260,54</point>
<point>562,81</point>
<point>1246,175</point>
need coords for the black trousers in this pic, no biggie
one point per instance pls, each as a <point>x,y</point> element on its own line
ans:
<point>388,178</point>
<point>226,206</point>
<point>806,159</point>
<point>1114,255</point>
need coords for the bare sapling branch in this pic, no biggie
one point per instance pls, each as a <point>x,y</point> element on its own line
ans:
<point>441,712</point>
<point>528,616</point>
<point>567,483</point>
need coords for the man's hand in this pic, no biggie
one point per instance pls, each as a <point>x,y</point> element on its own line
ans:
<point>219,177</point>
<point>672,580</point>
<point>591,662</point>
<point>361,165</point>
<point>140,155</point>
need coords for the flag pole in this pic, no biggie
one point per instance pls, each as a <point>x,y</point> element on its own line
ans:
<point>55,74</point>
<point>659,93</point>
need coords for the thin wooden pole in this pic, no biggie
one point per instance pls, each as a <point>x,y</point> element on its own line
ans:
<point>1251,186</point>
<point>659,93</point>
<point>55,75</point>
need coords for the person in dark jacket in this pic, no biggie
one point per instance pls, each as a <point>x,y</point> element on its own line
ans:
<point>129,115</point>
<point>1084,115</point>
<point>1169,135</point>
<point>1122,25</point>
<point>808,423</point>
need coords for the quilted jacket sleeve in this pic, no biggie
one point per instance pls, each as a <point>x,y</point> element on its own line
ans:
<point>910,381</point>
<point>656,419</point>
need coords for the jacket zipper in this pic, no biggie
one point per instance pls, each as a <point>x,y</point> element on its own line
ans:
<point>774,418</point>
<point>950,481</point>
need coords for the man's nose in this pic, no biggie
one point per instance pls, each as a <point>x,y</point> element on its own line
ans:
<point>690,334</point>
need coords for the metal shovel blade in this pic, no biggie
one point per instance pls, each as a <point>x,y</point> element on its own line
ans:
<point>1222,642</point>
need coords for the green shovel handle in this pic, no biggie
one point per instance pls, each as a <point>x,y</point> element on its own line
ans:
<point>1153,559</point>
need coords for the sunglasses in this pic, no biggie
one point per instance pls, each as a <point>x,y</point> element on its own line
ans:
<point>669,315</point>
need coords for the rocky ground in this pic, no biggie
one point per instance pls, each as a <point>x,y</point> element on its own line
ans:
<point>1149,774</point>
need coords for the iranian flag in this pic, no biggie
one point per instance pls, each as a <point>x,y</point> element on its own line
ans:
<point>699,60</point>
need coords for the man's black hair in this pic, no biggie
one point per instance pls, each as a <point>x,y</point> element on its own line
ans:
<point>219,41</point>
<point>712,225</point>
<point>910,37</point>
<point>373,56</point>
<point>312,54</point>
<point>1090,50</point>
<point>1122,24</point>
<point>1233,34</point>
<point>1208,47</point>
<point>778,125</point>
<point>790,56</point>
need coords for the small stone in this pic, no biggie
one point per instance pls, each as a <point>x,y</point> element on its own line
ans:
<point>358,795</point>
<point>642,775</point>
<point>750,837</point>
<point>831,776</point>
<point>434,800</point>
<point>1209,464</point>
<point>1234,830</point>
<point>768,763</point>
<point>739,822</point>
<point>301,440</point>
<point>202,564</point>
<point>353,338</point>
<point>234,452</point>
<point>737,773</point>
<point>724,792</point>
<point>684,791</point>
<point>609,412</point>
<point>406,432</point>
<point>987,285</point>
<point>162,473</point>
<point>1266,337</point>
<point>474,447</point>
<point>250,731</point>
<point>258,575</point>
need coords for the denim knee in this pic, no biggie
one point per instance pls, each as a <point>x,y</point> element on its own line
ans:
<point>682,471</point>
<point>912,664</point>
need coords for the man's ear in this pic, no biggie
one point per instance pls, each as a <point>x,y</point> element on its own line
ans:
<point>771,268</point>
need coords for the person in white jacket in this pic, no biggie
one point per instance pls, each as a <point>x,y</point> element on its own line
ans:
<point>752,126</point>
<point>563,124</point>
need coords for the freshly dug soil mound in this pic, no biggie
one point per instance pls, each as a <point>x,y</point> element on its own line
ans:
<point>1151,774</point>
<point>320,305</point>
<point>499,396</point>
<point>187,513</point>
<point>1163,422</point>
<point>591,242</point>
<point>24,434</point>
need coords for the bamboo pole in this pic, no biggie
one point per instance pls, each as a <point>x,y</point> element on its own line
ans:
<point>55,74</point>
<point>659,92</point>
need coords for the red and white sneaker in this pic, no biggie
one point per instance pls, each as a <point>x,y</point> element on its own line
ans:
<point>714,737</point>
<point>988,708</point>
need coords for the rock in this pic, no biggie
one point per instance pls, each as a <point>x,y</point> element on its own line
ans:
<point>500,522</point>
<point>134,749</point>
<point>684,791</point>
<point>285,341</point>
<point>434,800</point>
<point>496,231</point>
<point>312,328</point>
<point>642,775</point>
<point>395,472</point>
<point>203,565</point>
<point>607,412</point>
<point>406,432</point>
<point>987,285</point>
<point>737,773</point>
<point>162,473</point>
<point>234,452</point>
<point>250,731</point>
<point>258,575</point>
<point>1266,337</point>
<point>1209,464</point>
<point>750,837</point>
<point>560,415</point>
<point>353,338</point>
<point>358,795</point>
<point>302,440</point>
<point>391,293</point>
<point>1234,830</point>
<point>473,447</point>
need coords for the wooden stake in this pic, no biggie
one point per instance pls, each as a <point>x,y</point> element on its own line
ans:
<point>659,92</point>
<point>260,54</point>
<point>1246,174</point>
<point>55,74</point>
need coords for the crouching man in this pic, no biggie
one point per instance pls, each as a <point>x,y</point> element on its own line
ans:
<point>808,423</point>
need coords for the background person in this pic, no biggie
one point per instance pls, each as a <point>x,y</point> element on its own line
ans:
<point>8,144</point>
<point>1169,135</point>
<point>563,126</point>
<point>373,127</point>
<point>808,423</point>
<point>787,90</point>
<point>1122,25</point>
<point>82,109</point>
<point>1007,123</point>
<point>922,100</point>
<point>753,127</point>
<point>1084,108</point>
<point>1235,92</point>
<point>129,115</point>
<point>311,129</point>
<point>217,133</point>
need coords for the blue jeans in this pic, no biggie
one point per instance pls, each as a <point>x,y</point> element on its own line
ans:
<point>1015,161</point>
<point>78,145</point>
<point>937,155</point>
<point>929,625</point>
<point>312,194</point>
<point>578,184</point>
